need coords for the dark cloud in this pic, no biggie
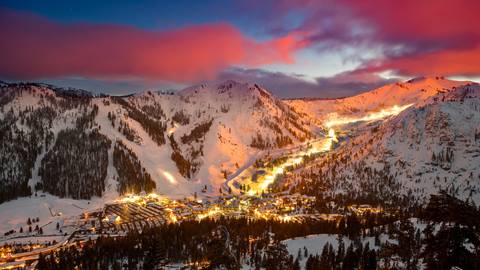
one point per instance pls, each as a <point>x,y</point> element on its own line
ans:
<point>297,86</point>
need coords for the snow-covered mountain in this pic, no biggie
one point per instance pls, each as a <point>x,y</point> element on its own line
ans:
<point>70,143</point>
<point>73,144</point>
<point>413,91</point>
<point>432,146</point>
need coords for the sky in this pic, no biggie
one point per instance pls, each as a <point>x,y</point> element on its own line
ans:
<point>303,48</point>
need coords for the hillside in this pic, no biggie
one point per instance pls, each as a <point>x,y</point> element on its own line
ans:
<point>432,146</point>
<point>71,143</point>
<point>399,94</point>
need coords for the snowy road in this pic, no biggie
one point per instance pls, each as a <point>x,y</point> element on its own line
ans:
<point>294,154</point>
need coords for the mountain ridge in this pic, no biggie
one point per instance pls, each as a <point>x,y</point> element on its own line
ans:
<point>411,91</point>
<point>185,141</point>
<point>428,148</point>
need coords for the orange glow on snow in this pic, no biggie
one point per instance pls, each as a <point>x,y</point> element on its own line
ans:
<point>334,121</point>
<point>321,146</point>
<point>169,177</point>
<point>318,147</point>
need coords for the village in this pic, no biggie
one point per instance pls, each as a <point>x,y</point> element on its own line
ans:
<point>134,213</point>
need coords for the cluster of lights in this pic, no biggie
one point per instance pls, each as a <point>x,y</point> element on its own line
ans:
<point>143,200</point>
<point>362,209</point>
<point>326,145</point>
<point>280,209</point>
<point>5,252</point>
<point>268,215</point>
<point>210,213</point>
<point>171,215</point>
<point>139,199</point>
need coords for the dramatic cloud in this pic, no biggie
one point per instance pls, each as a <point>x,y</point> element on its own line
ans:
<point>412,37</point>
<point>34,47</point>
<point>442,23</point>
<point>436,38</point>
<point>295,86</point>
<point>444,62</point>
<point>406,38</point>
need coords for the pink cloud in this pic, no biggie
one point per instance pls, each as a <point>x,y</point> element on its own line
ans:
<point>440,37</point>
<point>411,20</point>
<point>35,47</point>
<point>444,62</point>
<point>413,37</point>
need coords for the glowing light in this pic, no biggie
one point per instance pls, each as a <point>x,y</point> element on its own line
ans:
<point>171,216</point>
<point>362,209</point>
<point>370,117</point>
<point>172,129</point>
<point>15,266</point>
<point>285,218</point>
<point>169,177</point>
<point>331,133</point>
<point>320,146</point>
<point>153,196</point>
<point>212,212</point>
<point>129,198</point>
<point>269,179</point>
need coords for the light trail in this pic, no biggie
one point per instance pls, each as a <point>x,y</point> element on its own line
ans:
<point>172,129</point>
<point>169,177</point>
<point>269,179</point>
<point>322,146</point>
<point>369,117</point>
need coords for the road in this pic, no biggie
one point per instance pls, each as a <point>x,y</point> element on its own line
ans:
<point>294,153</point>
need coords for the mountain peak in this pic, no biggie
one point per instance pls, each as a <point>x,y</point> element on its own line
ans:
<point>65,91</point>
<point>227,86</point>
<point>229,82</point>
<point>425,78</point>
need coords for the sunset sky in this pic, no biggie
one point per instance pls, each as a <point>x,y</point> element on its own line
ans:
<point>322,48</point>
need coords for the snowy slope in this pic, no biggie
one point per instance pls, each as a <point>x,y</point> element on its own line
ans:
<point>401,93</point>
<point>237,113</point>
<point>430,147</point>
<point>445,119</point>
